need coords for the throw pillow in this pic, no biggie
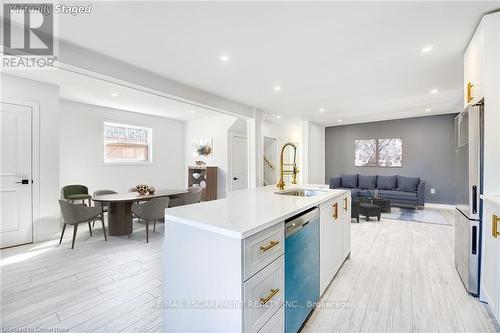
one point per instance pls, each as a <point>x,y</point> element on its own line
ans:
<point>350,181</point>
<point>408,184</point>
<point>386,182</point>
<point>367,182</point>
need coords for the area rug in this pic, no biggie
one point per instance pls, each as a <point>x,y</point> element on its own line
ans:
<point>416,215</point>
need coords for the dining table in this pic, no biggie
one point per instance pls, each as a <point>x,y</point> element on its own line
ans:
<point>120,208</point>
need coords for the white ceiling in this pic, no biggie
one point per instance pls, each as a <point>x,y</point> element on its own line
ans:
<point>361,61</point>
<point>86,89</point>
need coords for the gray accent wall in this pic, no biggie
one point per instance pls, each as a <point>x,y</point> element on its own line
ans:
<point>428,151</point>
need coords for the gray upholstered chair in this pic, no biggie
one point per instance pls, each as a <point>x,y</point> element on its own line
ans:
<point>74,214</point>
<point>102,205</point>
<point>74,193</point>
<point>151,210</point>
<point>194,196</point>
<point>133,189</point>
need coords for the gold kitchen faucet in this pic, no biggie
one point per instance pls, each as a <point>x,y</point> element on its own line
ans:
<point>293,172</point>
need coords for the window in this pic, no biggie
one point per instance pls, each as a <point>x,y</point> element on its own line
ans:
<point>127,143</point>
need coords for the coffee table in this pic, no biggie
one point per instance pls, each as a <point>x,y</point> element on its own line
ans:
<point>368,209</point>
<point>385,204</point>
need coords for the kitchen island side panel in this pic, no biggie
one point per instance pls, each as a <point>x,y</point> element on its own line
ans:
<point>202,280</point>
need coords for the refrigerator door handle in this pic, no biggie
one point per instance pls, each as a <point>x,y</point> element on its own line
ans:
<point>474,240</point>
<point>474,199</point>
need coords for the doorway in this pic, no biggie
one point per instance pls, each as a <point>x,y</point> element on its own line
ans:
<point>270,160</point>
<point>16,174</point>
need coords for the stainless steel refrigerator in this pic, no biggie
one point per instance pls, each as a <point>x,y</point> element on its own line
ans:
<point>468,188</point>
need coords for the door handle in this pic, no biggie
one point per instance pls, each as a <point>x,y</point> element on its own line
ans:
<point>235,178</point>
<point>494,226</point>
<point>24,182</point>
<point>474,240</point>
<point>474,199</point>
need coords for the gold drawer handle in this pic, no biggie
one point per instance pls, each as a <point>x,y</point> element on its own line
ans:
<point>494,226</point>
<point>263,301</point>
<point>345,204</point>
<point>335,210</point>
<point>268,247</point>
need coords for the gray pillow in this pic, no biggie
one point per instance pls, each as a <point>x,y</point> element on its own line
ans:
<point>350,181</point>
<point>386,182</point>
<point>367,182</point>
<point>408,184</point>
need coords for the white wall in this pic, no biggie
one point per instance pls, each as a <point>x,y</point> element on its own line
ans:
<point>270,148</point>
<point>310,140</point>
<point>81,145</point>
<point>313,152</point>
<point>285,131</point>
<point>217,128</point>
<point>46,224</point>
<point>239,128</point>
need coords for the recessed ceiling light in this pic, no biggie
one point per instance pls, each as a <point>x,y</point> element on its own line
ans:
<point>434,91</point>
<point>278,117</point>
<point>277,88</point>
<point>322,110</point>
<point>192,111</point>
<point>224,58</point>
<point>339,120</point>
<point>427,49</point>
<point>428,110</point>
<point>114,94</point>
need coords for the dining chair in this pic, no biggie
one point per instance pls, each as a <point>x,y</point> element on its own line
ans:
<point>193,196</point>
<point>103,205</point>
<point>74,193</point>
<point>74,214</point>
<point>133,189</point>
<point>151,210</point>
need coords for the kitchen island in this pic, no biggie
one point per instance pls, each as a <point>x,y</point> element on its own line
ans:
<point>224,260</point>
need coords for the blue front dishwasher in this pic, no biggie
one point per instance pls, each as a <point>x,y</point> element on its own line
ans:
<point>301,268</point>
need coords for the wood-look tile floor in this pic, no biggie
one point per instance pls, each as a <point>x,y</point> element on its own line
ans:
<point>400,278</point>
<point>97,287</point>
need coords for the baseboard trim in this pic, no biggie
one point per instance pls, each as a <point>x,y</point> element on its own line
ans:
<point>440,206</point>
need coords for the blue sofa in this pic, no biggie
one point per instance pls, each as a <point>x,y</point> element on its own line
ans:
<point>400,190</point>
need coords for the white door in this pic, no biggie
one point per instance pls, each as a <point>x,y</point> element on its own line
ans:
<point>239,163</point>
<point>15,175</point>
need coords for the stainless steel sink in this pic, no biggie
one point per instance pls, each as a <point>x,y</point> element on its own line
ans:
<point>301,192</point>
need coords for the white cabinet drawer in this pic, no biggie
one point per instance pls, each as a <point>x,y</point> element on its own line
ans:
<point>263,248</point>
<point>263,295</point>
<point>276,324</point>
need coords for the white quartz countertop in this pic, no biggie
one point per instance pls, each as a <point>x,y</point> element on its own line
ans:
<point>246,212</point>
<point>495,199</point>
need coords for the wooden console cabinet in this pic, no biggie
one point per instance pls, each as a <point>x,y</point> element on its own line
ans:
<point>205,177</point>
